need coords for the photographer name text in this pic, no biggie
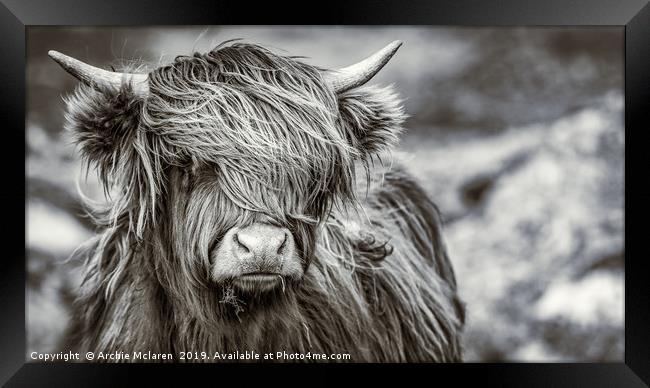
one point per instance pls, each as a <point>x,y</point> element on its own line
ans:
<point>137,356</point>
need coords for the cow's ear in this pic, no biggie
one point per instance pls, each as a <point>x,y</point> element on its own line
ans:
<point>104,124</point>
<point>372,118</point>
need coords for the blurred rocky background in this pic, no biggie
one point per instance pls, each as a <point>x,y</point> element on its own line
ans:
<point>517,133</point>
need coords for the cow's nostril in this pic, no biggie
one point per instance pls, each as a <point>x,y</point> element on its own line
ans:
<point>283,245</point>
<point>239,243</point>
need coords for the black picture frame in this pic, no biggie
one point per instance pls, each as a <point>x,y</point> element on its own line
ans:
<point>16,15</point>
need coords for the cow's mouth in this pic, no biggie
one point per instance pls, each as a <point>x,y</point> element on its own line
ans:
<point>258,281</point>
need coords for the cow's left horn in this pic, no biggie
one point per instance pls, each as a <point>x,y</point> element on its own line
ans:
<point>100,78</point>
<point>358,74</point>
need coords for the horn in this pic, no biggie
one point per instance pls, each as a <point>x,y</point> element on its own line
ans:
<point>358,74</point>
<point>100,78</point>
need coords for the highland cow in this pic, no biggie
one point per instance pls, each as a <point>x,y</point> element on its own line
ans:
<point>249,210</point>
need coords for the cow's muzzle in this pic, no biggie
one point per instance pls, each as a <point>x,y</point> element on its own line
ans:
<point>258,257</point>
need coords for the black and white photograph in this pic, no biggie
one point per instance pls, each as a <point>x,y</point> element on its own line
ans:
<point>324,194</point>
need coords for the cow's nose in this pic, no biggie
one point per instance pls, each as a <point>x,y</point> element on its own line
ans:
<point>262,240</point>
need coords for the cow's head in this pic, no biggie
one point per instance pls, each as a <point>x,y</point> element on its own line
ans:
<point>232,158</point>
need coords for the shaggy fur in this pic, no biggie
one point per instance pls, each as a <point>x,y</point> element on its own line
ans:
<point>232,137</point>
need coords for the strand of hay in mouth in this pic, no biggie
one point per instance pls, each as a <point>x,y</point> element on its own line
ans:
<point>229,297</point>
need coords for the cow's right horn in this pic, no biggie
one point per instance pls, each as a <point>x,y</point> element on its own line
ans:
<point>100,78</point>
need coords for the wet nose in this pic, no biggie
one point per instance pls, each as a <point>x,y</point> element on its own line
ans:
<point>262,240</point>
